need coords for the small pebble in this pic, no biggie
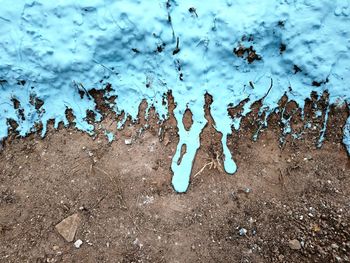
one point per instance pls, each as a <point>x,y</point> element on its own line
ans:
<point>55,247</point>
<point>78,243</point>
<point>242,232</point>
<point>334,246</point>
<point>294,244</point>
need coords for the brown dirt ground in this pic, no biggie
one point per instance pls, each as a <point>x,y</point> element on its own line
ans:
<point>130,213</point>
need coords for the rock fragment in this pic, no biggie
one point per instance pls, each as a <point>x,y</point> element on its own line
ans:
<point>242,232</point>
<point>128,141</point>
<point>294,244</point>
<point>68,227</point>
<point>78,243</point>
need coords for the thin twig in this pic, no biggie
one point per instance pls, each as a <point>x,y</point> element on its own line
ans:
<point>268,91</point>
<point>214,164</point>
<point>201,170</point>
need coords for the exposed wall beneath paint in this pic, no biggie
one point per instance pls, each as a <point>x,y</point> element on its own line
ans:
<point>54,51</point>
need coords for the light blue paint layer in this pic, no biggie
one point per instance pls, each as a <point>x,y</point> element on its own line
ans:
<point>62,47</point>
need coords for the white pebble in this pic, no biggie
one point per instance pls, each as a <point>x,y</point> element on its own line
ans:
<point>78,243</point>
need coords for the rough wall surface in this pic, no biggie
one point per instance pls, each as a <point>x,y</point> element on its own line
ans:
<point>244,50</point>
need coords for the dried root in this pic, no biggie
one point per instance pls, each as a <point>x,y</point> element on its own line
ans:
<point>215,163</point>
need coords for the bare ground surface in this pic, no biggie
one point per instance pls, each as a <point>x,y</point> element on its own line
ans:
<point>130,213</point>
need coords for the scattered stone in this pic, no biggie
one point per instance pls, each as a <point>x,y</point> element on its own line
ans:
<point>78,243</point>
<point>68,227</point>
<point>139,244</point>
<point>320,250</point>
<point>334,246</point>
<point>242,231</point>
<point>148,200</point>
<point>166,141</point>
<point>55,247</point>
<point>128,141</point>
<point>316,228</point>
<point>294,244</point>
<point>338,258</point>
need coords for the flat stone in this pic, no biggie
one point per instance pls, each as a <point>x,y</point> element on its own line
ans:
<point>68,227</point>
<point>78,243</point>
<point>294,244</point>
<point>128,141</point>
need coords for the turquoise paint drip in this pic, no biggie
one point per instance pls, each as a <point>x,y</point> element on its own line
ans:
<point>182,170</point>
